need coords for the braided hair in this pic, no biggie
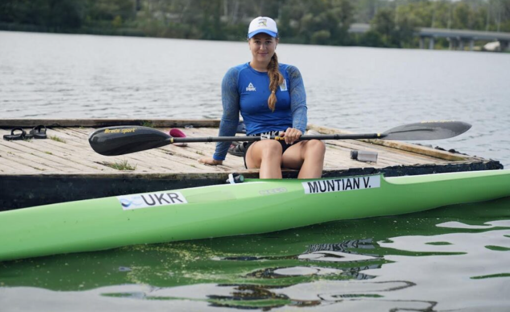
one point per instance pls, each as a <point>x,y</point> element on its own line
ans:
<point>275,79</point>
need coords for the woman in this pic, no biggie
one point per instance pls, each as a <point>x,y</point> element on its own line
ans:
<point>272,100</point>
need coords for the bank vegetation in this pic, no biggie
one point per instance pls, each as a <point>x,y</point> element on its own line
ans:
<point>326,22</point>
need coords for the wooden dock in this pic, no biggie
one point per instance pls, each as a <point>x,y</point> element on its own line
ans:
<point>63,167</point>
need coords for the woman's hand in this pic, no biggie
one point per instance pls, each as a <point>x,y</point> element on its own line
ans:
<point>291,135</point>
<point>210,161</point>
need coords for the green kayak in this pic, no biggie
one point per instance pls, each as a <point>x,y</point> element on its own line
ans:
<point>255,206</point>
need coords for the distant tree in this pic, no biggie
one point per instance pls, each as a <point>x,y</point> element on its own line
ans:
<point>392,32</point>
<point>210,23</point>
<point>420,14</point>
<point>461,16</point>
<point>441,14</point>
<point>117,21</point>
<point>405,31</point>
<point>365,10</point>
<point>393,22</point>
<point>107,10</point>
<point>383,24</point>
<point>66,14</point>
<point>317,21</point>
<point>321,37</point>
<point>50,14</point>
<point>371,39</point>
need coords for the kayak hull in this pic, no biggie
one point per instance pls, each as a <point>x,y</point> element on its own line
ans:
<point>256,206</point>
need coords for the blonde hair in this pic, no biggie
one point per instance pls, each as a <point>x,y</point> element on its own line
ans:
<point>275,80</point>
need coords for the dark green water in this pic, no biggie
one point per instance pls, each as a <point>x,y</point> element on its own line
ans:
<point>451,258</point>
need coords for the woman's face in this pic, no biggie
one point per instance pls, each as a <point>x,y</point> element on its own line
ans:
<point>262,47</point>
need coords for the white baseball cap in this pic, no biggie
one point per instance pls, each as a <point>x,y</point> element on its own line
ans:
<point>263,24</point>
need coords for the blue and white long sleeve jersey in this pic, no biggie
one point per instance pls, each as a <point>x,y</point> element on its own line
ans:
<point>246,91</point>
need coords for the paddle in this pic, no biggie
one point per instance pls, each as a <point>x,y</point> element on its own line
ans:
<point>122,140</point>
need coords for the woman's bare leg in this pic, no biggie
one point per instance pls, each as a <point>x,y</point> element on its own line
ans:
<point>307,155</point>
<point>266,155</point>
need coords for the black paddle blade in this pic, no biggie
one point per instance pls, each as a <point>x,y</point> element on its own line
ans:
<point>427,130</point>
<point>112,141</point>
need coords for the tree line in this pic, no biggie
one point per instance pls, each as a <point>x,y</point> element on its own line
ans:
<point>392,23</point>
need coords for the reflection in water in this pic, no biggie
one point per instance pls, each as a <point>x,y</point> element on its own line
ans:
<point>454,281</point>
<point>252,296</point>
<point>343,246</point>
<point>334,256</point>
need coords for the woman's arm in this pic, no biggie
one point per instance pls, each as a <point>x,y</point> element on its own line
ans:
<point>297,99</point>
<point>230,118</point>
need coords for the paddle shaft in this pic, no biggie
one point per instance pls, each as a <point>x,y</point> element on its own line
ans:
<point>278,138</point>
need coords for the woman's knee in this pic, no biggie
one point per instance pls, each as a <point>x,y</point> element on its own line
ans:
<point>264,150</point>
<point>316,147</point>
<point>270,148</point>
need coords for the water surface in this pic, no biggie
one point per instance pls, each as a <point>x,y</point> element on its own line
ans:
<point>452,258</point>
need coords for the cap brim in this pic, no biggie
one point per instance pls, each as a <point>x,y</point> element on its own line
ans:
<point>262,31</point>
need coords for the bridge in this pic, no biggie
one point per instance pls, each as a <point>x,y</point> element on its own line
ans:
<point>457,38</point>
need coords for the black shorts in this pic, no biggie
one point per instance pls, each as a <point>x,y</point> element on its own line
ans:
<point>285,146</point>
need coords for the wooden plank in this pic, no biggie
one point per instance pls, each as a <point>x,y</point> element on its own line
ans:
<point>77,145</point>
<point>195,151</point>
<point>87,159</point>
<point>70,133</point>
<point>157,161</point>
<point>397,145</point>
<point>387,150</point>
<point>60,160</point>
<point>420,150</point>
<point>385,155</point>
<point>391,156</point>
<point>9,165</point>
<point>187,156</point>
<point>29,155</point>
<point>18,163</point>
<point>90,161</point>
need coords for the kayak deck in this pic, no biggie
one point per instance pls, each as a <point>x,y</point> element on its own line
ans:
<point>65,168</point>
